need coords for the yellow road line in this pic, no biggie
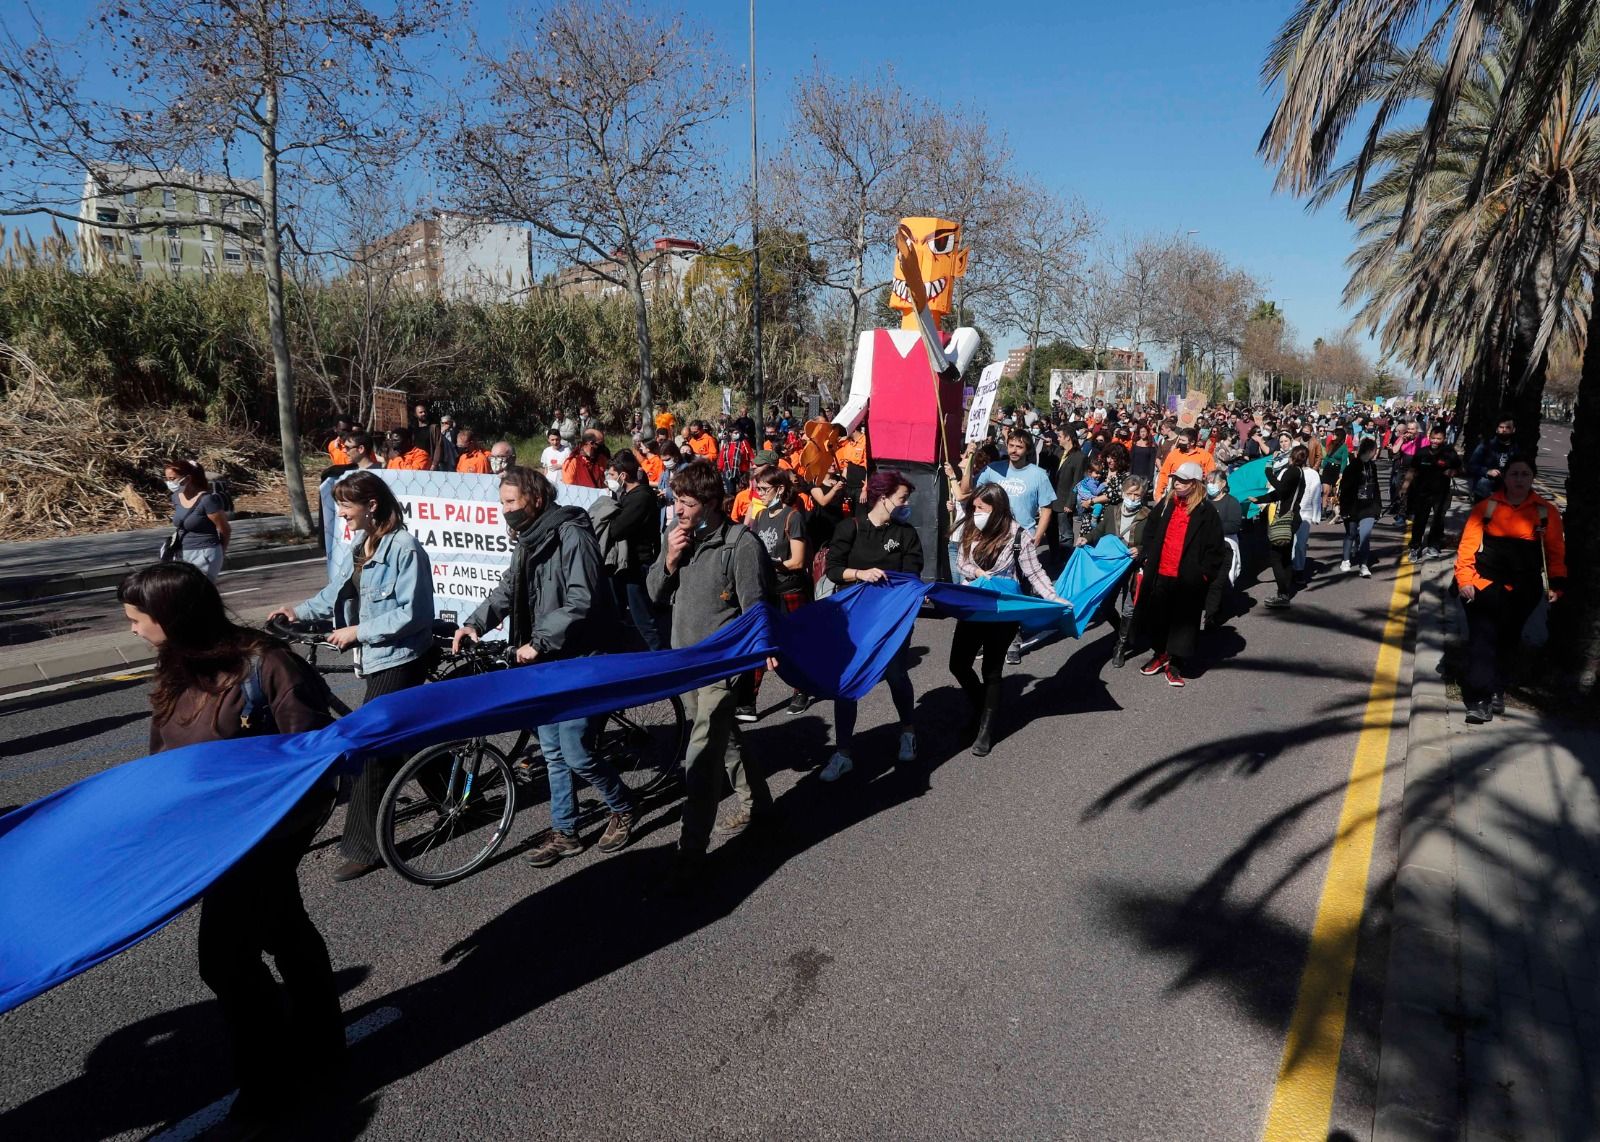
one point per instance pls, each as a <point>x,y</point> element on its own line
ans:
<point>1302,1100</point>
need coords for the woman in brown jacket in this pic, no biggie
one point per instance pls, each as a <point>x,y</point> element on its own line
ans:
<point>216,680</point>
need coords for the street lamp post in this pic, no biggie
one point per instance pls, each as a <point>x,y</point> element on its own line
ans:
<point>757,381</point>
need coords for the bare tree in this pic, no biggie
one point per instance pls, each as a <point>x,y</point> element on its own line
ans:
<point>1041,264</point>
<point>310,88</point>
<point>1138,269</point>
<point>1094,315</point>
<point>847,174</point>
<point>594,133</point>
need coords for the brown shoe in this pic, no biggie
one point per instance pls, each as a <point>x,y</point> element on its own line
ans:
<point>738,820</point>
<point>619,831</point>
<point>553,847</point>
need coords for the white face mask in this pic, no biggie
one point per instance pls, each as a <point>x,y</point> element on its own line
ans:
<point>980,520</point>
<point>174,485</point>
<point>614,483</point>
<point>1131,503</point>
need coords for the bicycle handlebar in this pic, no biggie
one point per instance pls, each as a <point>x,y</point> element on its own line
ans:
<point>308,632</point>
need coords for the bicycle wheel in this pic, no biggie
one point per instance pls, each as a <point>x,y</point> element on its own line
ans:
<point>446,811</point>
<point>644,744</point>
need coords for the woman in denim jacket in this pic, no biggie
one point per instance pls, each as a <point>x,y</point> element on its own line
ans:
<point>380,598</point>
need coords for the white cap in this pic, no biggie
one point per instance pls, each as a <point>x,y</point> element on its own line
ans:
<point>1189,471</point>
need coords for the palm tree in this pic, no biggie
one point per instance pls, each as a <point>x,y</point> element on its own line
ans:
<point>1504,249</point>
<point>1478,289</point>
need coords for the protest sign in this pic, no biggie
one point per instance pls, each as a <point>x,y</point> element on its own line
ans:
<point>983,402</point>
<point>456,517</point>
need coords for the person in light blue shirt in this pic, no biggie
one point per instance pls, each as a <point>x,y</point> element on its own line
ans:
<point>1027,486</point>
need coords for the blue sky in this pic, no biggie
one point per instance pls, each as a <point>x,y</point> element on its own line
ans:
<point>1148,110</point>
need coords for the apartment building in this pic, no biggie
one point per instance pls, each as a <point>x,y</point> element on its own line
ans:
<point>673,258</point>
<point>209,224</point>
<point>453,256</point>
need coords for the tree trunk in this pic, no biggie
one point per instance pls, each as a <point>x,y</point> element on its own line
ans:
<point>641,316</point>
<point>1575,623</point>
<point>857,288</point>
<point>277,332</point>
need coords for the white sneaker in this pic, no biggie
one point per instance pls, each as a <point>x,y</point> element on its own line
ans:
<point>908,746</point>
<point>838,765</point>
<point>1344,566</point>
<point>1365,571</point>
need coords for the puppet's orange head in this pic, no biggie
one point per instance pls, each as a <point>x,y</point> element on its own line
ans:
<point>928,260</point>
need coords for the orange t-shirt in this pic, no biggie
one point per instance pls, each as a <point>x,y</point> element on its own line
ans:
<point>741,504</point>
<point>851,452</point>
<point>474,463</point>
<point>1174,458</point>
<point>414,461</point>
<point>704,446</point>
<point>666,420</point>
<point>336,452</point>
<point>652,467</point>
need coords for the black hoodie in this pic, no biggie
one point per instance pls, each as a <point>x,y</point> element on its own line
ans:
<point>555,592</point>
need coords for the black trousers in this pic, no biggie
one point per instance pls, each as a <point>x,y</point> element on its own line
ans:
<point>1168,614</point>
<point>1495,618</point>
<point>283,1039</point>
<point>1428,511</point>
<point>972,639</point>
<point>1281,559</point>
<point>360,841</point>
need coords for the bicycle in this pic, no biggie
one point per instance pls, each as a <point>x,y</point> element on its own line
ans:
<point>450,807</point>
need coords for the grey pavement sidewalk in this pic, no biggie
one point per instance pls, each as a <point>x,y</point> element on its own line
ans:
<point>1491,1018</point>
<point>46,567</point>
<point>83,656</point>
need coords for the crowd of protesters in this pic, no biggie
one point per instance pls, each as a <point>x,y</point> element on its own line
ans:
<point>696,523</point>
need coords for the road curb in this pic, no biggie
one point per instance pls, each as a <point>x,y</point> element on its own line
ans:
<point>21,589</point>
<point>1419,1066</point>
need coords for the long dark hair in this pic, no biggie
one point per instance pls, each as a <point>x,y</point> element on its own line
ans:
<point>983,547</point>
<point>204,649</point>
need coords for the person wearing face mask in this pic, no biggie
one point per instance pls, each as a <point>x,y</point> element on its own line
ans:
<point>864,549</point>
<point>993,546</point>
<point>403,455</point>
<point>630,541</point>
<point>1125,518</point>
<point>470,458</point>
<point>380,598</point>
<point>1183,452</point>
<point>200,528</point>
<point>734,461</point>
<point>1218,606</point>
<point>585,468</point>
<point>779,522</point>
<point>560,607</point>
<point>1512,544</point>
<point>501,457</point>
<point>710,571</point>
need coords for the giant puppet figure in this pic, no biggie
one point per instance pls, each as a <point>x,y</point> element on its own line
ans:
<point>907,382</point>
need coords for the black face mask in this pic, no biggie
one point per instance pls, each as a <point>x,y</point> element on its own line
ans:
<point>518,519</point>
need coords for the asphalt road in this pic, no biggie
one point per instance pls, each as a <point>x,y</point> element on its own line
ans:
<point>1097,932</point>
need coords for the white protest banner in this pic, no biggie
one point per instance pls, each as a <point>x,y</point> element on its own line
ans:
<point>983,402</point>
<point>456,517</point>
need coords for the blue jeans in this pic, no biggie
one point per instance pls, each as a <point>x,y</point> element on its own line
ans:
<point>955,575</point>
<point>566,747</point>
<point>905,700</point>
<point>1302,537</point>
<point>1358,540</point>
<point>630,592</point>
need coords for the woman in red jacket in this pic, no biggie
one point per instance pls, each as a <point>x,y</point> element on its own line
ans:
<point>1182,552</point>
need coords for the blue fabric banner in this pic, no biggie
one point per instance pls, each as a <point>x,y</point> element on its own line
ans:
<point>94,868</point>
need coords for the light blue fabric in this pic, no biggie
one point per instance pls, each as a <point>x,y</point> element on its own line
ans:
<point>1247,481</point>
<point>96,867</point>
<point>1027,487</point>
<point>395,617</point>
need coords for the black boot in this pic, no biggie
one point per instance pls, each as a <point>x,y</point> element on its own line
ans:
<point>986,720</point>
<point>1124,636</point>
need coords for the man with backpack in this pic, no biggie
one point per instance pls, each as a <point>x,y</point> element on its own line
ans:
<point>710,571</point>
